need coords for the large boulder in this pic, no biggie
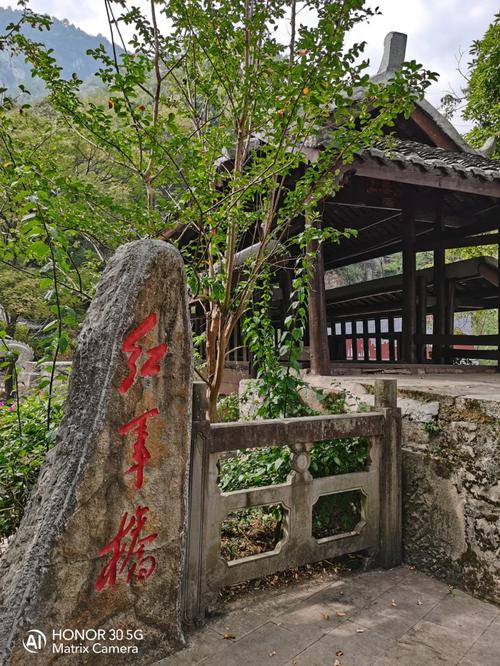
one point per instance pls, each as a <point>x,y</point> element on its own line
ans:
<point>100,548</point>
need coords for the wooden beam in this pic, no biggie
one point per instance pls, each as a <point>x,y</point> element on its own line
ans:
<point>470,241</point>
<point>484,354</point>
<point>439,321</point>
<point>431,129</point>
<point>409,284</point>
<point>318,335</point>
<point>489,273</point>
<point>477,340</point>
<point>433,178</point>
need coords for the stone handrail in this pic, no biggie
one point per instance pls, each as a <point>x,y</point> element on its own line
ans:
<point>378,531</point>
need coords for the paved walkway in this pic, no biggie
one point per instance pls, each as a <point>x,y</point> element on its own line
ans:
<point>378,618</point>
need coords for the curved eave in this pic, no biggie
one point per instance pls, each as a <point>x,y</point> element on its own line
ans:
<point>425,175</point>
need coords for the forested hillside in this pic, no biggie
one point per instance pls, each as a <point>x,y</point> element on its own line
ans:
<point>70,46</point>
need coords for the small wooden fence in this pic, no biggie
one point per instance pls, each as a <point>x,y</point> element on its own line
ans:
<point>378,531</point>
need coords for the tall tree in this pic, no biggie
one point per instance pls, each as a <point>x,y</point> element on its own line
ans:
<point>479,99</point>
<point>213,117</point>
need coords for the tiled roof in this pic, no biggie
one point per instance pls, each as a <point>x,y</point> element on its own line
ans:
<point>429,157</point>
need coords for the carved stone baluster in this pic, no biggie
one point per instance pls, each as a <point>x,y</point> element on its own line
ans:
<point>300,524</point>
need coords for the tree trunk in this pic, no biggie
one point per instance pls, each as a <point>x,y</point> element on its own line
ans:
<point>318,336</point>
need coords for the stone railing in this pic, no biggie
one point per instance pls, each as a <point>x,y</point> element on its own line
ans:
<point>378,531</point>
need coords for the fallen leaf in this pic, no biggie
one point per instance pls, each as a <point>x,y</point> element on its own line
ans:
<point>360,631</point>
<point>326,616</point>
<point>340,614</point>
<point>228,636</point>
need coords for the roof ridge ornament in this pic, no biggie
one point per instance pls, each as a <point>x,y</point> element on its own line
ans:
<point>394,52</point>
<point>489,146</point>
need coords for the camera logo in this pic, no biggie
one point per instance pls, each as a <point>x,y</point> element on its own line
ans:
<point>35,641</point>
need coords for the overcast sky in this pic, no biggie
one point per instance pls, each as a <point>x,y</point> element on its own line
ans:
<point>438,30</point>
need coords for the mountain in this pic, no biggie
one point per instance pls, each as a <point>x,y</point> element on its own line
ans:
<point>70,45</point>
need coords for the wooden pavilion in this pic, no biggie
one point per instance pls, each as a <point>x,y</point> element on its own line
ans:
<point>365,319</point>
<point>425,190</point>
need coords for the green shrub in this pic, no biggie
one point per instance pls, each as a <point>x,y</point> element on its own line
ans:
<point>254,467</point>
<point>270,465</point>
<point>267,466</point>
<point>22,453</point>
<point>228,408</point>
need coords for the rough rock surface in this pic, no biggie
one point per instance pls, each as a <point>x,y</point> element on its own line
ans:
<point>450,503</point>
<point>51,571</point>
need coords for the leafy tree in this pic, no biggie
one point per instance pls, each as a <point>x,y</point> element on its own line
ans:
<point>479,99</point>
<point>212,119</point>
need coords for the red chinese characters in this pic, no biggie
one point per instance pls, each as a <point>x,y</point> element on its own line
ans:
<point>127,557</point>
<point>150,367</point>
<point>130,346</point>
<point>125,552</point>
<point>140,455</point>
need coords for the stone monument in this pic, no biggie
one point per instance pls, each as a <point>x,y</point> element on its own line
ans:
<point>93,575</point>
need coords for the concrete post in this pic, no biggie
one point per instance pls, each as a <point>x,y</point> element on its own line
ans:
<point>194,592</point>
<point>390,544</point>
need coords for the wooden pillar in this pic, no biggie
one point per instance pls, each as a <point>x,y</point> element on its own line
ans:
<point>498,306</point>
<point>449,324</point>
<point>408,354</point>
<point>318,334</point>
<point>421,317</point>
<point>378,340</point>
<point>449,319</point>
<point>439,322</point>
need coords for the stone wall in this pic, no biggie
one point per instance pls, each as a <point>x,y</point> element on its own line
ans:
<point>452,493</point>
<point>451,474</point>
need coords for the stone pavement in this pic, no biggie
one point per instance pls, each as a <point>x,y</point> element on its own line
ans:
<point>377,618</point>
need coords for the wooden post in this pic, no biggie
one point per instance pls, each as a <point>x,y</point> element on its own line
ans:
<point>421,317</point>
<point>498,306</point>
<point>194,588</point>
<point>409,285</point>
<point>378,340</point>
<point>439,320</point>
<point>366,341</point>
<point>391,527</point>
<point>318,334</point>
<point>449,323</point>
